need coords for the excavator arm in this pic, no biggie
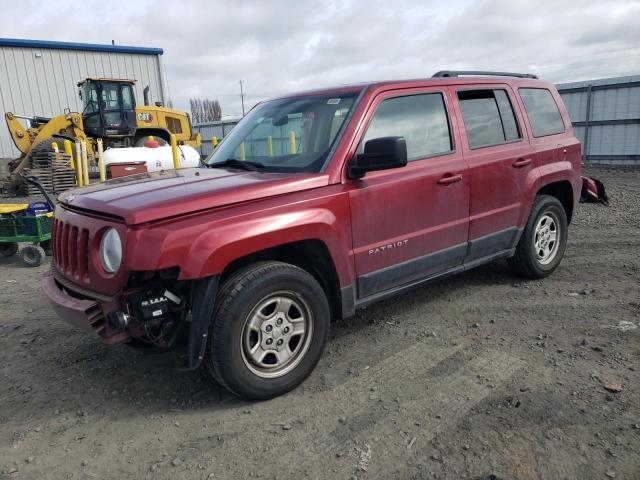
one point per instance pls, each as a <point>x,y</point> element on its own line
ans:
<point>19,134</point>
<point>68,126</point>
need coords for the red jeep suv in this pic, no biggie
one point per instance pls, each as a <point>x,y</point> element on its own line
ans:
<point>314,205</point>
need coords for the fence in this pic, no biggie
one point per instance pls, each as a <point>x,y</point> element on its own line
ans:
<point>256,144</point>
<point>218,129</point>
<point>606,118</point>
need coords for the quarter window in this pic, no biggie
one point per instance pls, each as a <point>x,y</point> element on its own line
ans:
<point>488,117</point>
<point>420,119</point>
<point>543,113</point>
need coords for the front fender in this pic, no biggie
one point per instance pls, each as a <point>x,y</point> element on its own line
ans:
<point>229,242</point>
<point>202,245</point>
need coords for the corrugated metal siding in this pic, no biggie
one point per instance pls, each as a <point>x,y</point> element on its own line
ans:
<point>576,104</point>
<point>208,130</point>
<point>613,120</point>
<point>46,85</point>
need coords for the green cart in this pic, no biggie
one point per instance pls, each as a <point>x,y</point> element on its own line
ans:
<point>18,224</point>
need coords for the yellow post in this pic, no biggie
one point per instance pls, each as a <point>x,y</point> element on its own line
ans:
<point>101,167</point>
<point>242,153</point>
<point>56,152</point>
<point>68,151</point>
<point>270,145</point>
<point>174,152</point>
<point>292,142</point>
<point>85,163</point>
<point>214,141</point>
<point>79,176</point>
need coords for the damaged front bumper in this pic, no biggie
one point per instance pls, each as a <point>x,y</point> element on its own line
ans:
<point>81,308</point>
<point>90,311</point>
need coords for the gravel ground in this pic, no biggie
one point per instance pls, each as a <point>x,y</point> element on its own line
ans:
<point>480,376</point>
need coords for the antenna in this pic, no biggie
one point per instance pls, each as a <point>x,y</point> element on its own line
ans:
<point>242,96</point>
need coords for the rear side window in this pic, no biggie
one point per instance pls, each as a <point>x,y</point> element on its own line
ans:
<point>543,113</point>
<point>420,119</point>
<point>488,117</point>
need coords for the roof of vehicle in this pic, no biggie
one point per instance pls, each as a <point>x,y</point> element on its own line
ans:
<point>522,79</point>
<point>105,79</point>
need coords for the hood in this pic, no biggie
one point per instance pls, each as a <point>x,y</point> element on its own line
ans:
<point>153,196</point>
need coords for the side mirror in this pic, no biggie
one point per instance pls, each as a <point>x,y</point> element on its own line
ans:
<point>379,154</point>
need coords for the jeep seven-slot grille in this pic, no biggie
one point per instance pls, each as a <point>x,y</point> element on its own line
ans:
<point>70,246</point>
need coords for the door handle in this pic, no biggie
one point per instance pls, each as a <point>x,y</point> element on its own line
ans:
<point>521,162</point>
<point>449,179</point>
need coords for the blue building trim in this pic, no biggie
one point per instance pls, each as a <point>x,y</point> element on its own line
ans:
<point>86,47</point>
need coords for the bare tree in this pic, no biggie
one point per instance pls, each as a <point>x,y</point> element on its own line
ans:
<point>205,110</point>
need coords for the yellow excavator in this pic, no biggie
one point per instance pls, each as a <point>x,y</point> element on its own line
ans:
<point>109,112</point>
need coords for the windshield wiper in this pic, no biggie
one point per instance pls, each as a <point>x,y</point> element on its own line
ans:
<point>235,163</point>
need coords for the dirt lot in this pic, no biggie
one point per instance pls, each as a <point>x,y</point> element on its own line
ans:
<point>483,374</point>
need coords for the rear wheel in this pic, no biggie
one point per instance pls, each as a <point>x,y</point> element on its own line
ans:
<point>32,255</point>
<point>543,241</point>
<point>269,330</point>
<point>8,249</point>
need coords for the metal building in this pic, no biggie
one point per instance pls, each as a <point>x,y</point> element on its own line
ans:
<point>606,118</point>
<point>39,78</point>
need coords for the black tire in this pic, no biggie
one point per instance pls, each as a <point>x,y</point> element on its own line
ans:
<point>46,246</point>
<point>240,297</point>
<point>8,249</point>
<point>45,145</point>
<point>528,261</point>
<point>32,255</point>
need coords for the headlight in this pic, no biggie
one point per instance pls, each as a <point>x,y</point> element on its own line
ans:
<point>110,251</point>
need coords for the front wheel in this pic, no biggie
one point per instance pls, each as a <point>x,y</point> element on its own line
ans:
<point>543,241</point>
<point>270,326</point>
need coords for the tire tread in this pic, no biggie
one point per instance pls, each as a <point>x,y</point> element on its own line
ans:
<point>522,263</point>
<point>225,298</point>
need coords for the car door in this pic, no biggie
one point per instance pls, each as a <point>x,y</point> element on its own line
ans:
<point>410,223</point>
<point>500,159</point>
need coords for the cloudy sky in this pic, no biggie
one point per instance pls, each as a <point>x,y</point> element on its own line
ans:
<point>285,45</point>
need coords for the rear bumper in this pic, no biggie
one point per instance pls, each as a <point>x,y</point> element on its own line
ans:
<point>81,311</point>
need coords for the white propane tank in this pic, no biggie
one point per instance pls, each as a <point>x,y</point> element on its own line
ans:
<point>157,159</point>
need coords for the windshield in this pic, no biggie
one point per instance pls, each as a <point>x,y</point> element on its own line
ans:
<point>287,135</point>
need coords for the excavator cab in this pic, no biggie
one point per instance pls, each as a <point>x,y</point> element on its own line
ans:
<point>108,108</point>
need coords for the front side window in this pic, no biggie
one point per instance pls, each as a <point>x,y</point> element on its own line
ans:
<point>287,135</point>
<point>488,117</point>
<point>421,119</point>
<point>89,98</point>
<point>127,97</point>
<point>543,113</point>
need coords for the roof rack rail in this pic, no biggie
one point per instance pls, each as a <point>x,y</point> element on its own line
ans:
<point>459,73</point>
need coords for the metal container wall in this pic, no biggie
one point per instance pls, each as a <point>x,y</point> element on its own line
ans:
<point>214,129</point>
<point>606,118</point>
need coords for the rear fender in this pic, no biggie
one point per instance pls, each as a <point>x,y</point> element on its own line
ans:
<point>547,174</point>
